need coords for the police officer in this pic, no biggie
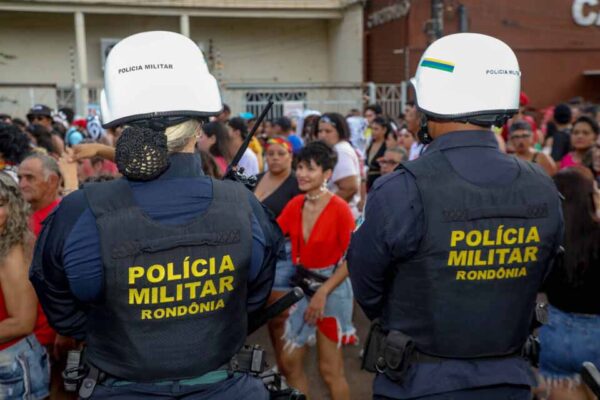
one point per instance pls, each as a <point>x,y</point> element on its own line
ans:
<point>157,271</point>
<point>455,244</point>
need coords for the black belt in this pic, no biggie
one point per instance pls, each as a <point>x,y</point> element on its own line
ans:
<point>392,353</point>
<point>309,281</point>
<point>250,360</point>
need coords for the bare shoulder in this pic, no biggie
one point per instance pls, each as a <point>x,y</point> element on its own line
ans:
<point>16,253</point>
<point>546,158</point>
<point>15,258</point>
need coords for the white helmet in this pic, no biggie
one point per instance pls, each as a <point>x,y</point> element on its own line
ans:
<point>157,75</point>
<point>468,77</point>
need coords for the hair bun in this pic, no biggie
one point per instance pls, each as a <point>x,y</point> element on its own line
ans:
<point>142,153</point>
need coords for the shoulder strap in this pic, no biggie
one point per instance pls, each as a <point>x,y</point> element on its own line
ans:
<point>426,165</point>
<point>107,197</point>
<point>530,168</point>
<point>230,192</point>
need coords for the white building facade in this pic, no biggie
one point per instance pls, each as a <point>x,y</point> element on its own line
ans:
<point>300,53</point>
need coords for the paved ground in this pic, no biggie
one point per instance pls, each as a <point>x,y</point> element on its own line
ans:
<point>360,381</point>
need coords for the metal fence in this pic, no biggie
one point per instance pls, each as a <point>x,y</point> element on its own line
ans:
<point>314,96</point>
<point>293,98</point>
<point>16,99</point>
<point>391,97</point>
<point>288,98</point>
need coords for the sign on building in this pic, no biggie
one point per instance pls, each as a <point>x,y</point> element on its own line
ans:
<point>389,13</point>
<point>586,12</point>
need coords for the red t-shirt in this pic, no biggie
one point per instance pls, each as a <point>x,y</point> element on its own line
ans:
<point>43,332</point>
<point>330,236</point>
<point>35,222</point>
<point>3,316</point>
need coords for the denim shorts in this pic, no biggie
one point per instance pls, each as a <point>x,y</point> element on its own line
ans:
<point>566,341</point>
<point>24,371</point>
<point>284,270</point>
<point>338,309</point>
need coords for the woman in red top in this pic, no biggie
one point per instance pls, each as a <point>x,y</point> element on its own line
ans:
<point>319,225</point>
<point>24,370</point>
<point>583,136</point>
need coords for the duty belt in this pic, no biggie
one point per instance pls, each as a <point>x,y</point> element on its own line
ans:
<point>250,359</point>
<point>392,353</point>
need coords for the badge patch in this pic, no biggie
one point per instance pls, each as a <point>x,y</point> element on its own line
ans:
<point>438,64</point>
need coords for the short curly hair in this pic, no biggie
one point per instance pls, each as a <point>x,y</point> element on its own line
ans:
<point>16,229</point>
<point>319,152</point>
<point>14,144</point>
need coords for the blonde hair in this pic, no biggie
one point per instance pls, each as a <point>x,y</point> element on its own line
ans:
<point>16,230</point>
<point>178,136</point>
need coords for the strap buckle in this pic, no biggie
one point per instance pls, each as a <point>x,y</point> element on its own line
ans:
<point>250,359</point>
<point>258,361</point>
<point>89,383</point>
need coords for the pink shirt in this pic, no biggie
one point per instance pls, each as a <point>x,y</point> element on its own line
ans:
<point>568,161</point>
<point>221,163</point>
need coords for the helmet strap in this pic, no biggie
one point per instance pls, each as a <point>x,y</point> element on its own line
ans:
<point>423,133</point>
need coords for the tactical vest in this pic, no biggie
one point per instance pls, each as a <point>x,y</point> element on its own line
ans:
<point>174,302</point>
<point>470,290</point>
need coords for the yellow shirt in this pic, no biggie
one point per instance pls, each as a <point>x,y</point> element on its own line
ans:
<point>257,148</point>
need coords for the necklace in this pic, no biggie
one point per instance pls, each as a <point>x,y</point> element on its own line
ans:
<point>314,197</point>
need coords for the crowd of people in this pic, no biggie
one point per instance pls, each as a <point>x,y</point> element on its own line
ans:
<point>314,173</point>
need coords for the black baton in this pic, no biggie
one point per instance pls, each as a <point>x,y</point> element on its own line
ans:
<point>288,300</point>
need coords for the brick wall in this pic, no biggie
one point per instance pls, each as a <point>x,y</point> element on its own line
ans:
<point>553,51</point>
<point>381,64</point>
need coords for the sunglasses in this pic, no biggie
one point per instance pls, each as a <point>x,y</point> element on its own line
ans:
<point>520,136</point>
<point>39,118</point>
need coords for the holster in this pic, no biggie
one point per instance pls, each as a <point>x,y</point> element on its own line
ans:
<point>388,353</point>
<point>309,281</point>
<point>531,350</point>
<point>373,347</point>
<point>392,353</point>
<point>250,359</point>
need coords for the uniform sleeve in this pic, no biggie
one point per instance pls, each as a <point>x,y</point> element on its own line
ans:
<point>63,310</point>
<point>558,243</point>
<point>391,232</point>
<point>83,259</point>
<point>266,243</point>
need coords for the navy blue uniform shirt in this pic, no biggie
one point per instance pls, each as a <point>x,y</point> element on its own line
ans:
<point>67,270</point>
<point>392,231</point>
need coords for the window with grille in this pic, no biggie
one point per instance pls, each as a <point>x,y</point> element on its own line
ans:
<point>256,101</point>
